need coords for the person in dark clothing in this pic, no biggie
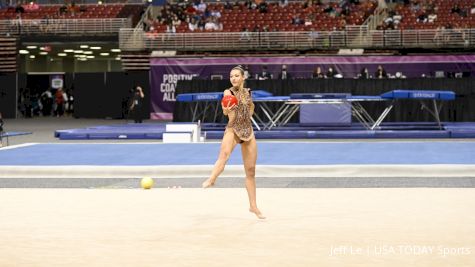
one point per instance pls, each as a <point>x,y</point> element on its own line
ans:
<point>284,74</point>
<point>136,104</point>
<point>364,74</point>
<point>380,73</point>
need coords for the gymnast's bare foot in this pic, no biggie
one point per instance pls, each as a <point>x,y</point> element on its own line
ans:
<point>257,212</point>
<point>208,183</point>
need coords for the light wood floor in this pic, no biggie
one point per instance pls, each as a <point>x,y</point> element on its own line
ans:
<point>195,227</point>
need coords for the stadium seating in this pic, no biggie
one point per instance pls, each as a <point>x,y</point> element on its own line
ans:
<point>78,12</point>
<point>445,17</point>
<point>279,18</point>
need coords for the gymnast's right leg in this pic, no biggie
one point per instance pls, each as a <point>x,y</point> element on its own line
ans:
<point>227,145</point>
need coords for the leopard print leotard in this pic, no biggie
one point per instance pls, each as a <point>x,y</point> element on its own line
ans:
<point>241,122</point>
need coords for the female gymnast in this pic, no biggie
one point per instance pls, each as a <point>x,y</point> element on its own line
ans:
<point>239,131</point>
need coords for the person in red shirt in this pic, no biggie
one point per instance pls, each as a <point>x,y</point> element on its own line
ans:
<point>59,101</point>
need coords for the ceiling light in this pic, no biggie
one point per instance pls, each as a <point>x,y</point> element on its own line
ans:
<point>83,46</point>
<point>31,47</point>
<point>68,50</point>
<point>24,52</point>
<point>82,59</point>
<point>95,47</point>
<point>62,54</point>
<point>117,58</point>
<point>43,53</point>
<point>78,51</point>
<point>82,56</point>
<point>117,50</point>
<point>32,56</point>
<point>87,53</point>
<point>89,56</point>
<point>104,54</point>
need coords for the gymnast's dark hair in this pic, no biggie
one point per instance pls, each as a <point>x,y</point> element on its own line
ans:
<point>240,68</point>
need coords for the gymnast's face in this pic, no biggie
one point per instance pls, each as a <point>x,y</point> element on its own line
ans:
<point>236,78</point>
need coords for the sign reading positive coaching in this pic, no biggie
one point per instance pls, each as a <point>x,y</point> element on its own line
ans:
<point>164,78</point>
<point>167,87</point>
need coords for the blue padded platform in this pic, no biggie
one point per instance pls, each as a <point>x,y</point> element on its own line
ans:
<point>119,131</point>
<point>319,96</point>
<point>271,98</point>
<point>293,131</point>
<point>215,96</point>
<point>260,93</point>
<point>419,94</point>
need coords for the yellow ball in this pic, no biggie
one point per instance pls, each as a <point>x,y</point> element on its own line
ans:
<point>146,182</point>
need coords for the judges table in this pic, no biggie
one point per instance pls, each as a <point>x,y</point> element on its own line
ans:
<point>202,102</point>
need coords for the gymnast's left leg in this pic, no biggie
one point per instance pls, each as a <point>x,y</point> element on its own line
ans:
<point>249,156</point>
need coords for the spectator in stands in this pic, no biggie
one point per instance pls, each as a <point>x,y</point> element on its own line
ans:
<point>264,36</point>
<point>17,23</point>
<point>415,6</point>
<point>215,13</point>
<point>193,24</point>
<point>364,74</point>
<point>136,104</point>
<point>228,5</point>
<point>331,73</point>
<point>247,72</point>
<point>171,29</point>
<point>264,75</point>
<point>63,9</point>
<point>308,20</point>
<point>250,4</point>
<point>190,9</point>
<point>313,36</point>
<point>431,17</point>
<point>176,22</point>
<point>380,73</point>
<point>211,25</point>
<point>422,17</point>
<point>262,7</point>
<point>283,3</point>
<point>19,8</point>
<point>456,9</point>
<point>439,35</point>
<point>296,20</point>
<point>284,75</point>
<point>45,25</point>
<point>245,35</point>
<point>399,75</point>
<point>201,6</point>
<point>201,24</point>
<point>318,73</point>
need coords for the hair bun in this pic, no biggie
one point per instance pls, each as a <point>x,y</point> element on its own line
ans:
<point>239,67</point>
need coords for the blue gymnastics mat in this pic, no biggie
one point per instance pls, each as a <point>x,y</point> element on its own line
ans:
<point>270,153</point>
<point>154,131</point>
